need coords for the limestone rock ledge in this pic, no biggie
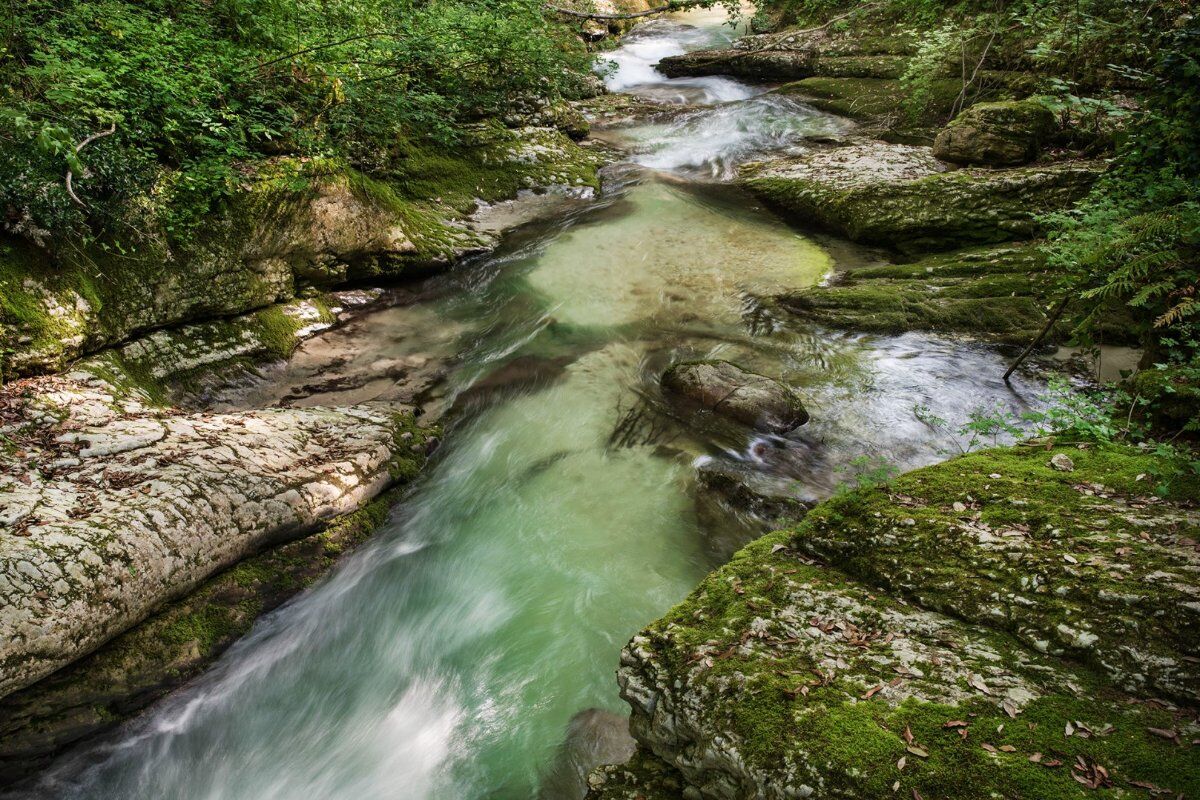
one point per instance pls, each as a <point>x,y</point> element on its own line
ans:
<point>785,677</point>
<point>294,223</point>
<point>901,196</point>
<point>113,505</point>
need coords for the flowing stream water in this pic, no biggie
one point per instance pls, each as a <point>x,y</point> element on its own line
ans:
<point>447,657</point>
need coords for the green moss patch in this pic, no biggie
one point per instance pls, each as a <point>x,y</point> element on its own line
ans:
<point>781,673</point>
<point>994,293</point>
<point>910,205</point>
<point>1083,562</point>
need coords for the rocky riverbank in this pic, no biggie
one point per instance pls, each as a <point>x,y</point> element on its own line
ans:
<point>295,225</point>
<point>1010,623</point>
<point>139,539</point>
<point>118,505</point>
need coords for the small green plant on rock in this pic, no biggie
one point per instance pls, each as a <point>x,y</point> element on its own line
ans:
<point>865,472</point>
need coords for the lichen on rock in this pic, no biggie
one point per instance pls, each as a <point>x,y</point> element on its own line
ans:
<point>782,676</point>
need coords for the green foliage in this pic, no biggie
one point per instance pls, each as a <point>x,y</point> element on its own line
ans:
<point>1067,413</point>
<point>201,89</point>
<point>865,472</point>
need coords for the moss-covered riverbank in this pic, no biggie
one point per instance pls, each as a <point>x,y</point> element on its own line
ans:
<point>909,639</point>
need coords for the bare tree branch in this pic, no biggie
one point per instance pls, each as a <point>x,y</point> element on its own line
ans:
<point>70,173</point>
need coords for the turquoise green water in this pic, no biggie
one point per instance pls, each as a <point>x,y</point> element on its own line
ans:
<point>447,657</point>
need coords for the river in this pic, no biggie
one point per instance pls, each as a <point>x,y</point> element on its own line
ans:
<point>447,657</point>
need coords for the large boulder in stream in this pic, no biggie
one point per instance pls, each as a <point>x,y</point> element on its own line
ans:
<point>1001,134</point>
<point>997,626</point>
<point>727,390</point>
<point>902,196</point>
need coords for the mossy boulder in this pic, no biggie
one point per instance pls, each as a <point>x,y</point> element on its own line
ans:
<point>784,677</point>
<point>1082,561</point>
<point>1002,134</point>
<point>729,391</point>
<point>901,196</point>
<point>993,293</point>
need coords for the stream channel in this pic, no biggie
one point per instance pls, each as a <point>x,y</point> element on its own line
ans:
<point>448,656</point>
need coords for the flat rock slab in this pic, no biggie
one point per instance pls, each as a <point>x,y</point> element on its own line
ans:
<point>992,293</point>
<point>901,196</point>
<point>728,390</point>
<point>113,506</point>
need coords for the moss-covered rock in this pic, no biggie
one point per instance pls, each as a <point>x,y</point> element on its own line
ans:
<point>295,223</point>
<point>993,293</point>
<point>781,677</point>
<point>901,196</point>
<point>1003,134</point>
<point>1084,562</point>
<point>727,390</point>
<point>170,648</point>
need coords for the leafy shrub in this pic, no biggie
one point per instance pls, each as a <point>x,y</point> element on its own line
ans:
<point>198,89</point>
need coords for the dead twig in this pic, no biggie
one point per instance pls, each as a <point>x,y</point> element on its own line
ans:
<point>68,180</point>
<point>1062,306</point>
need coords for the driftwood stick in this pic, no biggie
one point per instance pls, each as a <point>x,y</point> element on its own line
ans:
<point>70,176</point>
<point>1062,306</point>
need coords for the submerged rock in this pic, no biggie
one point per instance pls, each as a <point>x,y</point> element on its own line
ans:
<point>996,134</point>
<point>642,777</point>
<point>736,503</point>
<point>730,391</point>
<point>901,196</point>
<point>594,737</point>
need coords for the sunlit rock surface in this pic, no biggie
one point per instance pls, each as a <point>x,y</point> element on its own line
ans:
<point>114,505</point>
